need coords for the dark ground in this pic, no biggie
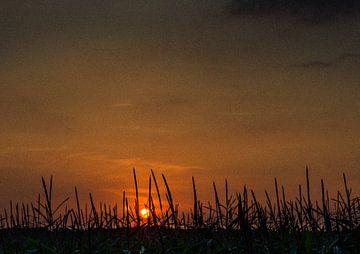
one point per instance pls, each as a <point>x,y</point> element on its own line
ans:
<point>175,241</point>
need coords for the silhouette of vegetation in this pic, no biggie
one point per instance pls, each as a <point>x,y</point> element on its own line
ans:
<point>239,224</point>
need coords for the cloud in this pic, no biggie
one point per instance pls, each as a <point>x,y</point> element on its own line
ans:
<point>313,10</point>
<point>121,105</point>
<point>340,59</point>
<point>138,162</point>
<point>32,149</point>
<point>133,162</point>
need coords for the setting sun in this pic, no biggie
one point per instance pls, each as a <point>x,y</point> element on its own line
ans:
<point>145,213</point>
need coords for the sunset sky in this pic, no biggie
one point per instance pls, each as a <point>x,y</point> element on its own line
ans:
<point>91,89</point>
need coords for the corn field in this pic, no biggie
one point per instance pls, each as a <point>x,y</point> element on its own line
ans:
<point>239,224</point>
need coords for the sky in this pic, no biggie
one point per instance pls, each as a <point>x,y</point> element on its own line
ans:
<point>245,91</point>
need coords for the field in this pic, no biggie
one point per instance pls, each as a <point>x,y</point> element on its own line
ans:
<point>240,224</point>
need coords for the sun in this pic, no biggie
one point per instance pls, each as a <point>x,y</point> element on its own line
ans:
<point>145,213</point>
